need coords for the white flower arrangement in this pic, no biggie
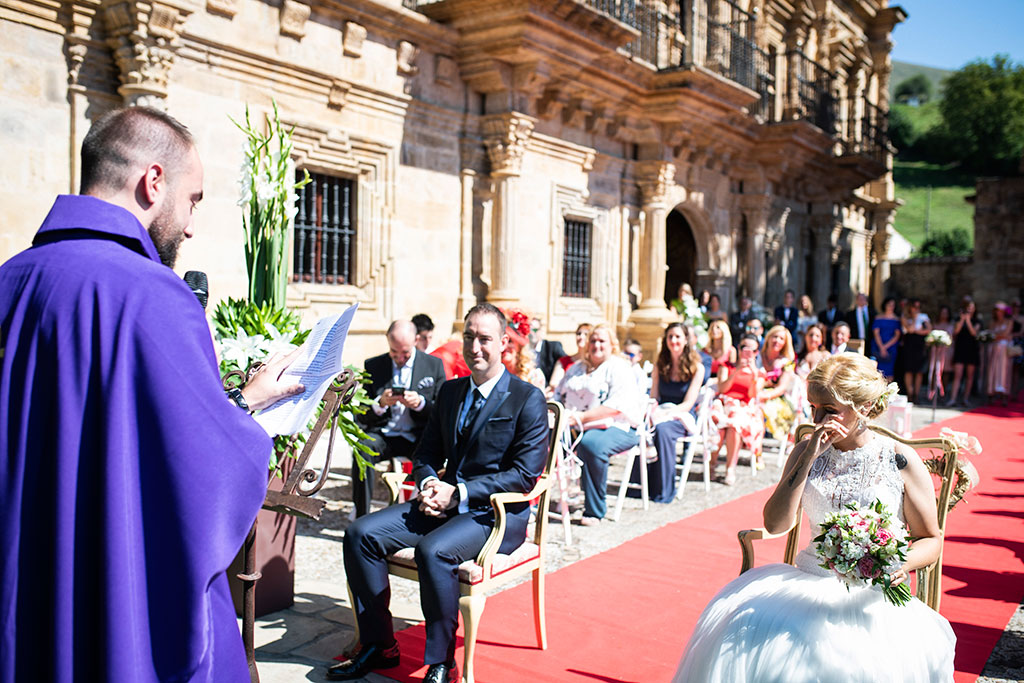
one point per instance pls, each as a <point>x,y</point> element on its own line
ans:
<point>938,338</point>
<point>886,397</point>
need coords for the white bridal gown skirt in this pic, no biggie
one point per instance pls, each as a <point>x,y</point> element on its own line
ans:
<point>777,623</point>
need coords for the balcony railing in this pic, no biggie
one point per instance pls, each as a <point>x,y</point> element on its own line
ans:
<point>719,36</point>
<point>810,93</point>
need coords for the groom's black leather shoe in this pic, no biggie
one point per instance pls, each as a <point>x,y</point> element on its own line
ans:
<point>365,659</point>
<point>442,673</point>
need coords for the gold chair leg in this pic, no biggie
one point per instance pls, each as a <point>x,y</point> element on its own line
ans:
<point>472,607</point>
<point>352,606</point>
<point>538,608</point>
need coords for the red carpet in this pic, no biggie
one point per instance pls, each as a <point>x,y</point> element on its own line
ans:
<point>626,614</point>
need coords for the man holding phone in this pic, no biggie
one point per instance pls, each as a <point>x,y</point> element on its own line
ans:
<point>404,381</point>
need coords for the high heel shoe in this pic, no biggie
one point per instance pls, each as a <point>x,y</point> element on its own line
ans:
<point>730,476</point>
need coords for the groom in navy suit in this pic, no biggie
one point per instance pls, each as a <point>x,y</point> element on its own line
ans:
<point>488,434</point>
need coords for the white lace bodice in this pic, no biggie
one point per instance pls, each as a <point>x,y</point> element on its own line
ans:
<point>839,477</point>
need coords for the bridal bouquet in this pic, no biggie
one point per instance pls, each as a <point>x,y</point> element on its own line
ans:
<point>861,545</point>
<point>938,338</point>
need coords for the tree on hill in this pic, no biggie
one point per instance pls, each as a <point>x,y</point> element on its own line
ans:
<point>914,90</point>
<point>955,242</point>
<point>982,118</point>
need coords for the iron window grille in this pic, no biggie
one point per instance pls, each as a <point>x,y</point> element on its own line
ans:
<point>576,258</point>
<point>325,230</point>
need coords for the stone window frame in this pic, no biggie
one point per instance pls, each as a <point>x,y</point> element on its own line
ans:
<point>372,165</point>
<point>567,312</point>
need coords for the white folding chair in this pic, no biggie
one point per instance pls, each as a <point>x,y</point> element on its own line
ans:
<point>642,451</point>
<point>702,436</point>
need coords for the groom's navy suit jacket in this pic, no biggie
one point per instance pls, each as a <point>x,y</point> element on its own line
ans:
<point>505,450</point>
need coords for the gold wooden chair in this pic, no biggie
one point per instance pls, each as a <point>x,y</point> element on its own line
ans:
<point>490,570</point>
<point>940,457</point>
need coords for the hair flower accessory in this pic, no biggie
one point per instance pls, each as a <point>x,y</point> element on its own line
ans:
<point>885,398</point>
<point>518,321</point>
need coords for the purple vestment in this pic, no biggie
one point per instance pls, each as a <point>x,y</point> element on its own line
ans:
<point>128,481</point>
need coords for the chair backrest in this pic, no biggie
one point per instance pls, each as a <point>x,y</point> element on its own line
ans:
<point>940,457</point>
<point>556,424</point>
<point>855,346</point>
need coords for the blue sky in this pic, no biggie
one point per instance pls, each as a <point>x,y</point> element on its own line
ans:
<point>950,33</point>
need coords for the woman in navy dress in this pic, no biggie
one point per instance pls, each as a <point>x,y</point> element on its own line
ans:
<point>675,384</point>
<point>885,336</point>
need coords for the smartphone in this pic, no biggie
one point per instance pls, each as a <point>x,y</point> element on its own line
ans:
<point>398,390</point>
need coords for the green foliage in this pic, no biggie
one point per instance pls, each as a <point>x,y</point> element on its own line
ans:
<point>983,117</point>
<point>268,197</point>
<point>237,315</point>
<point>955,242</point>
<point>948,209</point>
<point>915,90</point>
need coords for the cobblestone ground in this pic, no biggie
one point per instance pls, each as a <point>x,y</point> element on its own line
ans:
<point>295,644</point>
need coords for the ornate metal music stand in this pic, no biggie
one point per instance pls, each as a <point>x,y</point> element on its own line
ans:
<point>295,498</point>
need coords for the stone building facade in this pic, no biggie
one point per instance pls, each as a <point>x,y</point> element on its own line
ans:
<point>576,158</point>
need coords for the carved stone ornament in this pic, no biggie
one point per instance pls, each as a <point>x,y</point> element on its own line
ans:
<point>506,137</point>
<point>354,36</point>
<point>144,38</point>
<point>227,8</point>
<point>446,71</point>
<point>338,95</point>
<point>406,55</point>
<point>293,18</point>
<point>655,180</point>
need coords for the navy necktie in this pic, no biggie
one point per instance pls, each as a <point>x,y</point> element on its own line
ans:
<point>474,410</point>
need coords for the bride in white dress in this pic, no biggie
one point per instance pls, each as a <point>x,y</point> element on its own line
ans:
<point>801,624</point>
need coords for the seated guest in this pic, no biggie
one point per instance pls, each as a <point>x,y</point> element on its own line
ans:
<point>518,356</point>
<point>756,328</point>
<point>830,315</point>
<point>720,348</point>
<point>676,381</point>
<point>424,331</point>
<point>840,335</point>
<point>715,311</point>
<point>635,354</point>
<point>450,354</point>
<point>805,319</point>
<point>814,350</point>
<point>779,361</point>
<point>787,315</point>
<point>404,382</point>
<point>546,353</point>
<point>705,358</point>
<point>488,434</point>
<point>735,412</point>
<point>582,334</point>
<point>601,395</point>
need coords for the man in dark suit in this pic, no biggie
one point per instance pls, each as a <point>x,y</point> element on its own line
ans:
<point>488,434</point>
<point>786,314</point>
<point>738,320</point>
<point>547,352</point>
<point>830,315</point>
<point>396,421</point>
<point>860,318</point>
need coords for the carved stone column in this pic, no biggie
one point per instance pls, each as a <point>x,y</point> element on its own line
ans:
<point>505,136</point>
<point>756,209</point>
<point>471,152</point>
<point>880,270</point>
<point>144,37</point>
<point>655,179</point>
<point>822,261</point>
<point>81,15</point>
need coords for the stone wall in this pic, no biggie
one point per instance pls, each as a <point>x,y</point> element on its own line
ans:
<point>935,281</point>
<point>998,271</point>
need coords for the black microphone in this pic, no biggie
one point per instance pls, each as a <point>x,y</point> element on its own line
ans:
<point>197,282</point>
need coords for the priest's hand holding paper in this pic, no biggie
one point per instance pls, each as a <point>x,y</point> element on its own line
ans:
<point>267,386</point>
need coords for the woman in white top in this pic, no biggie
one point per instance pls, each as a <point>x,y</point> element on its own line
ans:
<point>601,395</point>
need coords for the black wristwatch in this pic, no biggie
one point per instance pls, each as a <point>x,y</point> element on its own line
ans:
<point>235,394</point>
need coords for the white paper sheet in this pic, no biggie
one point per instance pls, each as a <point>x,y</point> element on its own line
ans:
<point>317,365</point>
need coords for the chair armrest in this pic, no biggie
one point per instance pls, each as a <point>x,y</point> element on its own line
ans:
<point>394,482</point>
<point>748,536</point>
<point>498,502</point>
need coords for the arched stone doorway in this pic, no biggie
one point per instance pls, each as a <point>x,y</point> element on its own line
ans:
<point>680,254</point>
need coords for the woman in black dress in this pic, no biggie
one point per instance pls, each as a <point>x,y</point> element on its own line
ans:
<point>915,327</point>
<point>966,349</point>
<point>675,383</point>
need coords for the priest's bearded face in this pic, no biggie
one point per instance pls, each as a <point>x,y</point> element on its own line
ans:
<point>173,223</point>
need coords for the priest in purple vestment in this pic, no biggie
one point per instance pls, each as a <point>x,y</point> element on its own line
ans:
<point>128,480</point>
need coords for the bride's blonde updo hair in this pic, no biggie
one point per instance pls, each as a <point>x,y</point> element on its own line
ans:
<point>851,380</point>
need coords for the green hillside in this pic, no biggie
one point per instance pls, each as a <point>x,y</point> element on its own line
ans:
<point>901,71</point>
<point>948,209</point>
